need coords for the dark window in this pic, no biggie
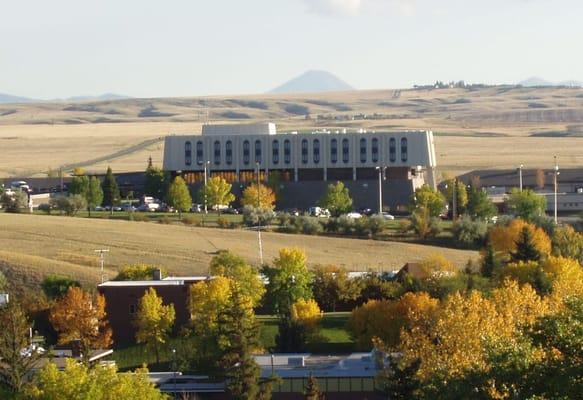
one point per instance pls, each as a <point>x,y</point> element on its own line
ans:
<point>363,150</point>
<point>188,153</point>
<point>345,151</point>
<point>199,153</point>
<point>404,149</point>
<point>316,151</point>
<point>287,151</point>
<point>375,150</point>
<point>133,309</point>
<point>392,150</point>
<point>246,152</point>
<point>229,152</point>
<point>217,151</point>
<point>275,151</point>
<point>304,151</point>
<point>334,151</point>
<point>258,151</point>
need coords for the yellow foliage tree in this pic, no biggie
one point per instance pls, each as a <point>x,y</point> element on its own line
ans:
<point>153,321</point>
<point>258,196</point>
<point>207,301</point>
<point>504,238</point>
<point>79,316</point>
<point>566,277</point>
<point>437,264</point>
<point>306,312</point>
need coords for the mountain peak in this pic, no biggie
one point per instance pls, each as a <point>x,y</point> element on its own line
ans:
<point>313,81</point>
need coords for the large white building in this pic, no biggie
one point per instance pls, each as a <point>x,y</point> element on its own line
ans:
<point>237,152</point>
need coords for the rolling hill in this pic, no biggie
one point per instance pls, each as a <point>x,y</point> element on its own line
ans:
<point>313,81</point>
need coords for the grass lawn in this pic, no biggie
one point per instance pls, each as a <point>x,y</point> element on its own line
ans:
<point>334,339</point>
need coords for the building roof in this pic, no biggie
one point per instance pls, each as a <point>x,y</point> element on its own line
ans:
<point>239,129</point>
<point>168,281</point>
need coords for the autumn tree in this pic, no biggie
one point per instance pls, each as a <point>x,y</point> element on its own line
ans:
<point>258,196</point>
<point>313,390</point>
<point>332,285</point>
<point>179,196</point>
<point>79,382</point>
<point>526,204</point>
<point>526,249</point>
<point>503,238</point>
<point>428,198</point>
<point>337,199</point>
<point>217,192</point>
<point>111,195</point>
<point>461,195</point>
<point>79,316</point>
<point>306,314</point>
<point>540,179</point>
<point>18,358</point>
<point>153,321</point>
<point>567,243</point>
<point>423,224</point>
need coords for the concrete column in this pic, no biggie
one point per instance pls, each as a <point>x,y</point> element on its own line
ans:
<point>295,174</point>
<point>325,174</point>
<point>353,173</point>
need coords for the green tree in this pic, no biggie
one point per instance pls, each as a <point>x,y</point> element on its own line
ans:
<point>479,205</point>
<point>568,243</point>
<point>313,389</point>
<point>217,192</point>
<point>80,382</point>
<point>526,249</point>
<point>94,194</point>
<point>154,321</point>
<point>156,181</point>
<point>337,199</point>
<point>69,205</point>
<point>16,365</point>
<point>490,262</point>
<point>79,185</point>
<point>16,203</point>
<point>526,204</point>
<point>179,196</point>
<point>55,286</point>
<point>428,198</point>
<point>460,192</point>
<point>3,282</point>
<point>110,189</point>
<point>137,272</point>
<point>423,223</point>
<point>332,285</point>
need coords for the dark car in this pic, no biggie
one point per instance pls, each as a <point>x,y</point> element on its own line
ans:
<point>366,211</point>
<point>230,210</point>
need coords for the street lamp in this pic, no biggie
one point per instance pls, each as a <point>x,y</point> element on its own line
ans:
<point>556,176</point>
<point>520,176</point>
<point>205,164</point>
<point>259,218</point>
<point>382,177</point>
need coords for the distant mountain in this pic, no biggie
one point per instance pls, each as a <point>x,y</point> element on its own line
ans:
<point>535,81</point>
<point>312,82</point>
<point>8,98</point>
<point>103,97</point>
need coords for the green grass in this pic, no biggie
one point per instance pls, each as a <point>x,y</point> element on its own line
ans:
<point>334,339</point>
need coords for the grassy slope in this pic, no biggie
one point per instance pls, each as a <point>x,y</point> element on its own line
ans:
<point>45,244</point>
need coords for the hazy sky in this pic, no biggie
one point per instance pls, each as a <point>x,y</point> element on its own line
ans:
<point>61,48</point>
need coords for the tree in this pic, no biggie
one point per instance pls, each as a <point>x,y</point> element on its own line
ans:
<point>503,238</point>
<point>540,179</point>
<point>217,192</point>
<point>423,223</point>
<point>331,285</point>
<point>79,185</point>
<point>308,315</point>
<point>18,357</point>
<point>179,196</point>
<point>94,194</point>
<point>153,321</point>
<point>460,192</point>
<point>337,199</point>
<point>137,272</point>
<point>78,316</point>
<point>55,286</point>
<point>526,249</point>
<point>156,181</point>
<point>15,203</point>
<point>110,189</point>
<point>526,204</point>
<point>79,382</point>
<point>568,243</point>
<point>490,262</point>
<point>479,205</point>
<point>313,390</point>
<point>3,282</point>
<point>239,334</point>
<point>468,232</point>
<point>69,205</point>
<point>258,196</point>
<point>428,198</point>
<point>289,281</point>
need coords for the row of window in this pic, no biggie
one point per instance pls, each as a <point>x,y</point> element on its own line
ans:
<point>304,151</point>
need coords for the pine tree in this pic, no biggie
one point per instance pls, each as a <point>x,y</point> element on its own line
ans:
<point>313,390</point>
<point>238,335</point>
<point>525,247</point>
<point>156,181</point>
<point>110,190</point>
<point>490,262</point>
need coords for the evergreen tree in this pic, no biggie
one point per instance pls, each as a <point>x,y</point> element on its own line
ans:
<point>110,190</point>
<point>238,335</point>
<point>525,247</point>
<point>156,181</point>
<point>490,262</point>
<point>313,390</point>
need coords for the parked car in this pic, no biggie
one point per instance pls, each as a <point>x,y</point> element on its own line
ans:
<point>166,208</point>
<point>354,215</point>
<point>128,208</point>
<point>388,216</point>
<point>319,212</point>
<point>366,211</point>
<point>196,208</point>
<point>230,210</point>
<point>150,207</point>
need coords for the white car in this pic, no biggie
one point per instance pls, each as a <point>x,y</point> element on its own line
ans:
<point>388,216</point>
<point>354,215</point>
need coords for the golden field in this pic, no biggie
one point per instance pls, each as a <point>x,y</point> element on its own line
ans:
<point>34,246</point>
<point>495,127</point>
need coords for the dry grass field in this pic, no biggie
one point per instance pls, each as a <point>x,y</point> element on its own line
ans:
<point>496,127</point>
<point>34,246</point>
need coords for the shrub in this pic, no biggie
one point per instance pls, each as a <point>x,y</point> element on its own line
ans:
<point>70,205</point>
<point>309,226</point>
<point>137,272</point>
<point>190,220</point>
<point>55,286</point>
<point>139,217</point>
<point>346,225</point>
<point>253,216</point>
<point>332,225</point>
<point>16,203</point>
<point>469,233</point>
<point>224,223</point>
<point>165,220</point>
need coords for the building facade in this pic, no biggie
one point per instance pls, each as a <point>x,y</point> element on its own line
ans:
<point>239,153</point>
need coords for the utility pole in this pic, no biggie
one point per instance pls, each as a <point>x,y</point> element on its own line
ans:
<point>454,200</point>
<point>381,178</point>
<point>259,219</point>
<point>102,262</point>
<point>556,178</point>
<point>520,176</point>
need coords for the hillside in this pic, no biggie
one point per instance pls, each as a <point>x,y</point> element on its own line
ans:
<point>491,127</point>
<point>34,246</point>
<point>313,82</point>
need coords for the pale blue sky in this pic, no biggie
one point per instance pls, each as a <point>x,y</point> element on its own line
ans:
<point>61,48</point>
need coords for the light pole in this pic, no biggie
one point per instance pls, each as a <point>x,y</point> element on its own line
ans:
<point>102,262</point>
<point>556,176</point>
<point>382,177</point>
<point>454,200</point>
<point>520,176</point>
<point>259,218</point>
<point>204,164</point>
